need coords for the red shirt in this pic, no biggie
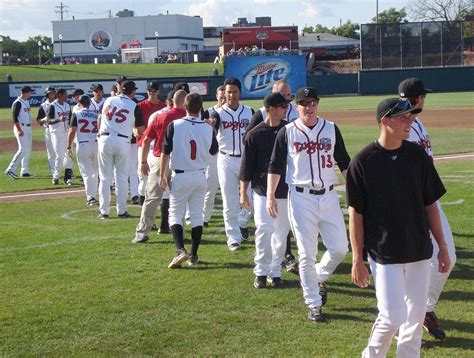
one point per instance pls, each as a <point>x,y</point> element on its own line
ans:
<point>157,129</point>
<point>148,109</point>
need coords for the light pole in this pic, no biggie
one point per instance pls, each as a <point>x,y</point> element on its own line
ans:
<point>1,50</point>
<point>39,52</point>
<point>61,48</point>
<point>156,35</point>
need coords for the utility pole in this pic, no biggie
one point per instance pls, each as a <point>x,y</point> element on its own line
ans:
<point>62,9</point>
<point>110,13</point>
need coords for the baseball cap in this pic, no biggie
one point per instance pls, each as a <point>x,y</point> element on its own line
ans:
<point>128,86</point>
<point>77,92</point>
<point>275,99</point>
<point>155,85</point>
<point>394,107</point>
<point>181,85</point>
<point>170,95</point>
<point>306,92</point>
<point>26,89</point>
<point>120,79</point>
<point>412,87</point>
<point>49,89</point>
<point>84,99</point>
<point>97,87</point>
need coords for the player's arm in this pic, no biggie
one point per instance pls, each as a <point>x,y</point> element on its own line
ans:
<point>139,122</point>
<point>165,156</point>
<point>15,113</point>
<point>247,167</point>
<point>444,262</point>
<point>276,169</point>
<point>257,118</point>
<point>215,120</point>
<point>340,153</point>
<point>51,115</point>
<point>71,134</point>
<point>214,144</point>
<point>360,274</point>
<point>144,167</point>
<point>41,118</point>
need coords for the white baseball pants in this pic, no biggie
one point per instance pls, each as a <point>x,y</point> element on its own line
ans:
<point>49,149</point>
<point>133,175</point>
<point>401,291</point>
<point>438,279</point>
<point>24,150</point>
<point>270,237</point>
<point>61,159</point>
<point>114,153</point>
<point>212,186</point>
<point>187,189</point>
<point>310,215</point>
<point>88,163</point>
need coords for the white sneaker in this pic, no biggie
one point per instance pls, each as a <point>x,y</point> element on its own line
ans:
<point>140,239</point>
<point>181,256</point>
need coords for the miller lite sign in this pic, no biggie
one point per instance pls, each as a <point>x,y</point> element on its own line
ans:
<point>258,73</point>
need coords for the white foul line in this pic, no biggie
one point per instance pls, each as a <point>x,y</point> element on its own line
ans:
<point>455,156</point>
<point>41,194</point>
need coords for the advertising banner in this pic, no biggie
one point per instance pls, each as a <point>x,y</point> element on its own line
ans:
<point>258,73</point>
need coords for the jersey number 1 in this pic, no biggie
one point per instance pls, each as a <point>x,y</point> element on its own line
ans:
<point>192,142</point>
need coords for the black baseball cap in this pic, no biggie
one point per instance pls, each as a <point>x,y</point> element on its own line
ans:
<point>275,99</point>
<point>129,86</point>
<point>155,85</point>
<point>26,89</point>
<point>77,92</point>
<point>306,93</point>
<point>182,85</point>
<point>120,79</point>
<point>84,100</point>
<point>394,107</point>
<point>49,89</point>
<point>170,94</point>
<point>97,87</point>
<point>412,87</point>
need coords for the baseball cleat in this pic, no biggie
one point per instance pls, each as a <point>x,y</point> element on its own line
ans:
<point>315,314</point>
<point>140,240</point>
<point>11,174</point>
<point>181,256</point>
<point>193,260</point>
<point>103,216</point>
<point>433,327</point>
<point>275,282</point>
<point>260,282</point>
<point>234,247</point>
<point>244,233</point>
<point>291,264</point>
<point>125,215</point>
<point>164,230</point>
<point>205,224</point>
<point>55,181</point>
<point>136,200</point>
<point>26,175</point>
<point>323,292</point>
<point>142,200</point>
<point>68,182</point>
<point>92,202</point>
<point>154,228</point>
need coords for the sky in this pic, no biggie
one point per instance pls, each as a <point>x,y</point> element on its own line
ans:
<point>21,19</point>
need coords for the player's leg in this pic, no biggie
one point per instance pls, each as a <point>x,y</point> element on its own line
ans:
<point>416,281</point>
<point>94,159</point>
<point>281,227</point>
<point>333,232</point>
<point>27,141</point>
<point>106,174</point>
<point>389,282</point>
<point>58,159</point>
<point>49,149</point>
<point>84,163</point>
<point>18,154</point>
<point>212,186</point>
<point>195,205</point>
<point>134,194</point>
<point>263,240</point>
<point>142,179</point>
<point>122,172</point>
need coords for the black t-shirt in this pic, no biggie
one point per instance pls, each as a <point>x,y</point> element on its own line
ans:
<point>258,149</point>
<point>391,189</point>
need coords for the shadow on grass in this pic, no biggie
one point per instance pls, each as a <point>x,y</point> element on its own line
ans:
<point>461,326</point>
<point>454,342</point>
<point>347,317</point>
<point>365,310</point>
<point>456,234</point>
<point>462,296</point>
<point>462,272</point>
<point>462,253</point>
<point>206,265</point>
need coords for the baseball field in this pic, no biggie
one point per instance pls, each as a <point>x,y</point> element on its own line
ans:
<point>72,285</point>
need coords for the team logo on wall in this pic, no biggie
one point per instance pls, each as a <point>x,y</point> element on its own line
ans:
<point>262,76</point>
<point>100,40</point>
<point>262,35</point>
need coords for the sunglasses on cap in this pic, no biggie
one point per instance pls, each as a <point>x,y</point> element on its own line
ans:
<point>308,103</point>
<point>399,107</point>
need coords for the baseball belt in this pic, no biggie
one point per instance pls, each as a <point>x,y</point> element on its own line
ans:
<point>314,191</point>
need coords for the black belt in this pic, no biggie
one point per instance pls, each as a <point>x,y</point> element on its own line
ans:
<point>314,191</point>
<point>26,124</point>
<point>86,141</point>
<point>230,155</point>
<point>118,135</point>
<point>179,171</point>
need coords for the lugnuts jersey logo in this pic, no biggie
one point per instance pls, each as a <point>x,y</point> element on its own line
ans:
<point>311,147</point>
<point>262,76</point>
<point>235,125</point>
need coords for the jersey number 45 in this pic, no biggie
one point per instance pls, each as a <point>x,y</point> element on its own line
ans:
<point>118,116</point>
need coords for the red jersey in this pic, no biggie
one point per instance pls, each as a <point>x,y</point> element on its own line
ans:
<point>157,129</point>
<point>148,109</point>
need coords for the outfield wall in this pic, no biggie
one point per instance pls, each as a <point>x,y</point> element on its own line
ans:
<point>373,82</point>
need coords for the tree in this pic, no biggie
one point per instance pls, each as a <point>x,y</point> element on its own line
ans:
<point>318,29</point>
<point>348,29</point>
<point>391,16</point>
<point>439,10</point>
<point>27,52</point>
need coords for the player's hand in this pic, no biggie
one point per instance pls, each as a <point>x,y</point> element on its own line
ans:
<point>163,183</point>
<point>444,262</point>
<point>360,275</point>
<point>145,169</point>
<point>211,121</point>
<point>21,133</point>
<point>244,201</point>
<point>272,206</point>
<point>69,152</point>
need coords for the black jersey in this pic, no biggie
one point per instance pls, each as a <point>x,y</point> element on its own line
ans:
<point>391,189</point>
<point>258,149</point>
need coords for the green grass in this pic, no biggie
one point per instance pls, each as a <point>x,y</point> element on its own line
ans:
<point>75,286</point>
<point>107,71</point>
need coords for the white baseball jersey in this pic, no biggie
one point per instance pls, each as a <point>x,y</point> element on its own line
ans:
<point>118,116</point>
<point>419,135</point>
<point>291,115</point>
<point>45,105</point>
<point>60,110</point>
<point>86,122</point>
<point>192,140</point>
<point>312,154</point>
<point>96,106</point>
<point>232,127</point>
<point>24,117</point>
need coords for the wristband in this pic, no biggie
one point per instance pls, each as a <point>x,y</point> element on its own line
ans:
<point>144,162</point>
<point>68,148</point>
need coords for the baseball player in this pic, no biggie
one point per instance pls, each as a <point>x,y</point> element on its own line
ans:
<point>189,142</point>
<point>231,121</point>
<point>84,130</point>
<point>121,118</point>
<point>42,119</point>
<point>308,149</point>
<point>150,166</point>
<point>392,188</point>
<point>413,90</point>
<point>270,234</point>
<point>76,93</point>
<point>58,123</point>
<point>22,120</point>
<point>98,100</point>
<point>148,106</point>
<point>283,87</point>
<point>211,172</point>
